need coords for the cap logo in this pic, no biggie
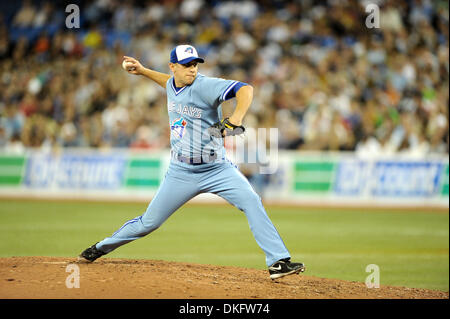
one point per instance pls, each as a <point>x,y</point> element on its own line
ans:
<point>189,50</point>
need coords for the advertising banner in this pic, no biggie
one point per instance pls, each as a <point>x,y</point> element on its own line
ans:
<point>299,177</point>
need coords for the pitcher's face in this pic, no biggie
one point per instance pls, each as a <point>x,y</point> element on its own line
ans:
<point>184,74</point>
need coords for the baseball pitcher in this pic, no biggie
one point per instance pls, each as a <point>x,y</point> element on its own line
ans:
<point>198,160</point>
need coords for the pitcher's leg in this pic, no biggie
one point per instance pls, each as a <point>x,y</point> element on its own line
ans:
<point>172,194</point>
<point>231,185</point>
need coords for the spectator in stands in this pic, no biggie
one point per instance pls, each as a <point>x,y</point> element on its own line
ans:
<point>25,16</point>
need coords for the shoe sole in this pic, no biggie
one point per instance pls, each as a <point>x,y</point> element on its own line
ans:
<point>297,271</point>
<point>82,260</point>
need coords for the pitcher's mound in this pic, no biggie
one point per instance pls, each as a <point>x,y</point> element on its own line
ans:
<point>106,278</point>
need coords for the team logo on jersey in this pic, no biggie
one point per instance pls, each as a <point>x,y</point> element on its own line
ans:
<point>190,50</point>
<point>178,126</point>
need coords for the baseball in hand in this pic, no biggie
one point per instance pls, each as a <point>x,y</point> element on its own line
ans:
<point>128,66</point>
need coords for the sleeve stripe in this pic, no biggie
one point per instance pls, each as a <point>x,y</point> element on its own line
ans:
<point>224,95</point>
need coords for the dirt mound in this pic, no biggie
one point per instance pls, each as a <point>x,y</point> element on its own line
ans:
<point>46,277</point>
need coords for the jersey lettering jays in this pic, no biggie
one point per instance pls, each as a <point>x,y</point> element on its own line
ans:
<point>194,108</point>
<point>185,110</point>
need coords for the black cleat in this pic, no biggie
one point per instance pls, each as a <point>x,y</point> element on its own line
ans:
<point>90,254</point>
<point>284,267</point>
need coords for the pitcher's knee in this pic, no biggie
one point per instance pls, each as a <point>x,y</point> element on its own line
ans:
<point>250,200</point>
<point>148,226</point>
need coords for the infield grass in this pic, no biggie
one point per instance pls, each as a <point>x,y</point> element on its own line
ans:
<point>411,248</point>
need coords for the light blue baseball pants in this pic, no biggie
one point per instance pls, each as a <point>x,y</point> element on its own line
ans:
<point>181,183</point>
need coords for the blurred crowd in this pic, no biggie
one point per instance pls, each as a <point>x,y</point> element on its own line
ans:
<point>321,76</point>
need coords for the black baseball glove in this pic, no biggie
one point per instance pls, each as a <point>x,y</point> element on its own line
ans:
<point>219,128</point>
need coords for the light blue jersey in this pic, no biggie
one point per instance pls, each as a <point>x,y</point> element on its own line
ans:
<point>192,110</point>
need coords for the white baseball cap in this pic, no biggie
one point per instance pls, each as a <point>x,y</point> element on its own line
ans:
<point>184,53</point>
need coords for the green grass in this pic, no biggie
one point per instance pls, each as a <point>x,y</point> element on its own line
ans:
<point>410,247</point>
